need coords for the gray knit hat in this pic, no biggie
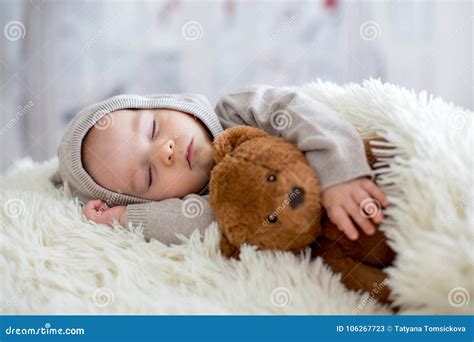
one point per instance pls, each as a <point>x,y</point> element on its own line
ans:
<point>71,170</point>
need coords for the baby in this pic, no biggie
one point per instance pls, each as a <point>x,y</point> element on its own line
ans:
<point>143,159</point>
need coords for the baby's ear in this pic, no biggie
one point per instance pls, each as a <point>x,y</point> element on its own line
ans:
<point>228,140</point>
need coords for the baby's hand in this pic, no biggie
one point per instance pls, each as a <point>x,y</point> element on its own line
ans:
<point>359,199</point>
<point>99,212</point>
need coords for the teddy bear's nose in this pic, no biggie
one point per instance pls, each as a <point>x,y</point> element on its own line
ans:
<point>296,197</point>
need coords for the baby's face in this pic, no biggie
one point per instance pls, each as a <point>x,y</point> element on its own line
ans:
<point>144,153</point>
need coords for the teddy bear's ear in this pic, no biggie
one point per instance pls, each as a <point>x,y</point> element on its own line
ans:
<point>227,141</point>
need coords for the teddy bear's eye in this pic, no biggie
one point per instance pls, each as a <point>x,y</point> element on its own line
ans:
<point>271,178</point>
<point>272,218</point>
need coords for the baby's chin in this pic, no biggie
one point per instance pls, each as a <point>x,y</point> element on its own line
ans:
<point>198,186</point>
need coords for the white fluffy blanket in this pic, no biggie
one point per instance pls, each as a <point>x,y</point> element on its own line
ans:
<point>52,261</point>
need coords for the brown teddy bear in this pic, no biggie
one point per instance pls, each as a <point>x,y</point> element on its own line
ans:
<point>264,193</point>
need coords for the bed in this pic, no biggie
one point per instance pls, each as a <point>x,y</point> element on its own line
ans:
<point>53,261</point>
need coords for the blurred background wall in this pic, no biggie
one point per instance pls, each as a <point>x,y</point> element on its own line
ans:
<point>57,57</point>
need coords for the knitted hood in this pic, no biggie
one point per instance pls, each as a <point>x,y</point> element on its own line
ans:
<point>71,170</point>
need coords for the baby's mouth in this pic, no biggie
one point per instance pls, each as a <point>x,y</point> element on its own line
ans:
<point>189,153</point>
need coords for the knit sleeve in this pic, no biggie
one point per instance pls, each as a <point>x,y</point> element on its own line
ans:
<point>162,220</point>
<point>331,145</point>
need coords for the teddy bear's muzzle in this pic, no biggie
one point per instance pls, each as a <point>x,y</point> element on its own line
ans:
<point>296,197</point>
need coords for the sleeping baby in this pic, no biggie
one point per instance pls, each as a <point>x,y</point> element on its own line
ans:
<point>144,159</point>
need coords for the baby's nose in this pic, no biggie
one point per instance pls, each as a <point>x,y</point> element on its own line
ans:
<point>163,152</point>
<point>168,152</point>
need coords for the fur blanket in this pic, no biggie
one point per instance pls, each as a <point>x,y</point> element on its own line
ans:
<point>53,261</point>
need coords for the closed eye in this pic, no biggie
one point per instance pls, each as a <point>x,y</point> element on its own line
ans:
<point>150,177</point>
<point>153,129</point>
<point>154,133</point>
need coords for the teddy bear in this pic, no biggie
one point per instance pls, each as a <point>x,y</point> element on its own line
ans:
<point>264,193</point>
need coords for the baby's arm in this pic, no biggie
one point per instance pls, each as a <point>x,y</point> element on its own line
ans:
<point>161,220</point>
<point>331,145</point>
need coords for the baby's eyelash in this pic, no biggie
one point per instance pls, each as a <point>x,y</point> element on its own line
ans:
<point>153,129</point>
<point>149,171</point>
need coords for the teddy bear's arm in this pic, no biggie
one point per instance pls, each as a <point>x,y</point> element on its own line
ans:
<point>354,274</point>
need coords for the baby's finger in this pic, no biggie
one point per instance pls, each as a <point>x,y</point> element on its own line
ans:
<point>90,204</point>
<point>340,218</point>
<point>100,206</point>
<point>103,207</point>
<point>93,205</point>
<point>375,192</point>
<point>368,207</point>
<point>377,215</point>
<point>355,212</point>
